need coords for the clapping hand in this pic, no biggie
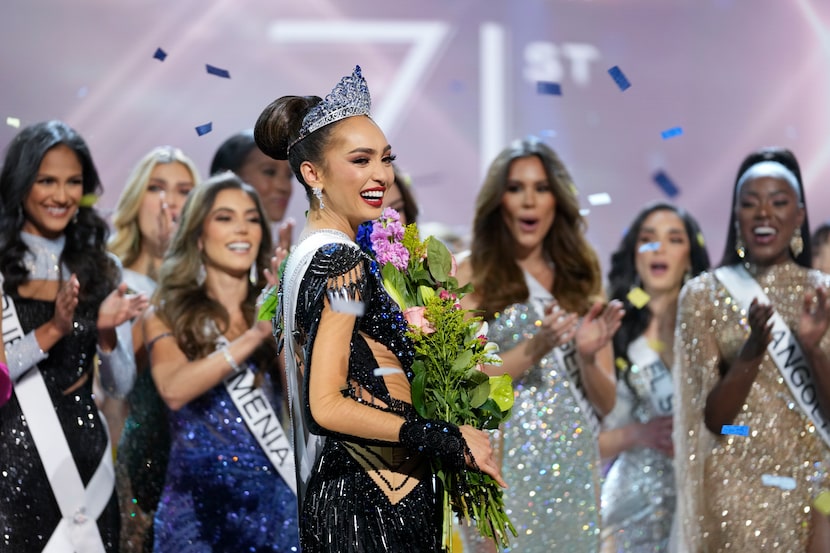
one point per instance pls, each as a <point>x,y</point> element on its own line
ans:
<point>815,318</point>
<point>120,307</point>
<point>65,304</point>
<point>760,331</point>
<point>657,434</point>
<point>557,327</point>
<point>598,327</point>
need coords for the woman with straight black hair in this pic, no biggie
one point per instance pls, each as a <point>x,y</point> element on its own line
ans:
<point>62,306</point>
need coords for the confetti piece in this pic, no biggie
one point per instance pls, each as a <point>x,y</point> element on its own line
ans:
<point>672,132</point>
<point>160,54</point>
<point>619,78</point>
<point>547,133</point>
<point>657,345</point>
<point>599,199</point>
<point>546,87</point>
<point>775,481</point>
<point>204,129</point>
<point>584,211</point>
<point>666,184</point>
<point>638,297</point>
<point>650,247</point>
<point>621,363</point>
<point>350,307</point>
<point>13,122</point>
<point>700,239</point>
<point>734,430</point>
<point>219,72</point>
<point>383,371</point>
<point>82,92</point>
<point>88,200</point>
<point>822,503</point>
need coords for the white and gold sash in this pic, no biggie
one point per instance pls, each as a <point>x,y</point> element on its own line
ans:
<point>783,349</point>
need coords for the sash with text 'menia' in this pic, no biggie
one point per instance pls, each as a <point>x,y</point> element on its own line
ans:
<point>783,349</point>
<point>262,421</point>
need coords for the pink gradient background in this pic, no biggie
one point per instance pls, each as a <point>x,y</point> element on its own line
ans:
<point>735,74</point>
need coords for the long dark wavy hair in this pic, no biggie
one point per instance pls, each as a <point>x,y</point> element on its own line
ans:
<point>84,252</point>
<point>787,159</point>
<point>181,301</point>
<point>497,277</point>
<point>623,274</point>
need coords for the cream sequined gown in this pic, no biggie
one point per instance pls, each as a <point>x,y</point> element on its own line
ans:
<point>723,504</point>
<point>550,454</point>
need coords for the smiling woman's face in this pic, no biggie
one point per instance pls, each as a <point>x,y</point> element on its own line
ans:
<point>768,213</point>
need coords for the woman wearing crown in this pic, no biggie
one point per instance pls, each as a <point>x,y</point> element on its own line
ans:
<point>362,453</point>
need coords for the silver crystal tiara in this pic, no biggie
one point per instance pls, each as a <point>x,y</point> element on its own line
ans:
<point>349,98</point>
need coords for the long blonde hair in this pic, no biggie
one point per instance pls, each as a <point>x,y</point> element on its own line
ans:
<point>126,242</point>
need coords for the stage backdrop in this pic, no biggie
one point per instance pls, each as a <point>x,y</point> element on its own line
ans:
<point>453,81</point>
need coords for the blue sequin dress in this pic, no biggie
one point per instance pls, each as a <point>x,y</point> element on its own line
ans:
<point>221,493</point>
<point>550,452</point>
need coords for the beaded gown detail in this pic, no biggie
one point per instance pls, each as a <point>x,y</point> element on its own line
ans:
<point>550,454</point>
<point>29,512</point>
<point>143,450</point>
<point>363,496</point>
<point>221,492</point>
<point>724,505</point>
<point>638,493</point>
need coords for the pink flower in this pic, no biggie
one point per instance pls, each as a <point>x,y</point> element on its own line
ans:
<point>480,367</point>
<point>415,317</point>
<point>454,266</point>
<point>444,295</point>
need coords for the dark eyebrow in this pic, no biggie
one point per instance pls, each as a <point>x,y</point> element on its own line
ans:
<point>369,150</point>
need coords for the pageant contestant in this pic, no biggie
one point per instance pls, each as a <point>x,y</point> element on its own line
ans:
<point>661,250</point>
<point>145,219</point>
<point>538,282</point>
<point>229,477</point>
<point>362,452</point>
<point>62,304</point>
<point>752,378</point>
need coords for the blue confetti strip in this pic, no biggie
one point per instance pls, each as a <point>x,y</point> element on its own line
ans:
<point>218,71</point>
<point>734,430</point>
<point>160,54</point>
<point>650,247</point>
<point>666,184</point>
<point>672,132</point>
<point>546,87</point>
<point>204,129</point>
<point>619,78</point>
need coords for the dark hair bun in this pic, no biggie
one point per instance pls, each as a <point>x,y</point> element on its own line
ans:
<point>279,124</point>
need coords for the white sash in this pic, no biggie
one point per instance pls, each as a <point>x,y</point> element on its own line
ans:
<point>307,446</point>
<point>80,507</point>
<point>262,421</point>
<point>649,364</point>
<point>565,356</point>
<point>784,348</point>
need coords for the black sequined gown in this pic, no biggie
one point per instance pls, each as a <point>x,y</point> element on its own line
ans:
<point>28,510</point>
<point>363,496</point>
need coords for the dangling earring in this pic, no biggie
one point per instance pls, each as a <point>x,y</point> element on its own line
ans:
<point>253,275</point>
<point>797,243</point>
<point>75,217</point>
<point>740,248</point>
<point>318,193</point>
<point>202,274</point>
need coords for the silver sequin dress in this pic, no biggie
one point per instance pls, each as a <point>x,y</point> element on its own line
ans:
<point>638,494</point>
<point>550,454</point>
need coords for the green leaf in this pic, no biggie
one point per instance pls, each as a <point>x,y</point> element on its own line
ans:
<point>476,376</point>
<point>426,292</point>
<point>439,259</point>
<point>269,306</point>
<point>394,284</point>
<point>481,393</point>
<point>463,361</point>
<point>418,386</point>
<point>501,391</point>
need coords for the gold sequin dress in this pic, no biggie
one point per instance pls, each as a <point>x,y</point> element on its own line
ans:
<point>723,505</point>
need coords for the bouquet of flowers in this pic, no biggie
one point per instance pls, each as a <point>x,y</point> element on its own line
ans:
<point>451,349</point>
